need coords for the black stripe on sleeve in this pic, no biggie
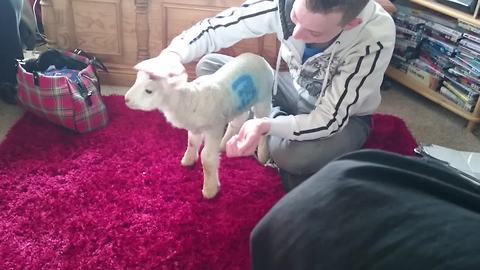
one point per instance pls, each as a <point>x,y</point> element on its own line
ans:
<point>232,23</point>
<point>357,90</point>
<point>223,16</point>
<point>242,6</point>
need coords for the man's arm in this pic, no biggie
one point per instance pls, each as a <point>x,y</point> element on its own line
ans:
<point>252,19</point>
<point>246,141</point>
<point>354,90</point>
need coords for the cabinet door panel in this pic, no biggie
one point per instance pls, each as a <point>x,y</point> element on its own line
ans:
<point>97,26</point>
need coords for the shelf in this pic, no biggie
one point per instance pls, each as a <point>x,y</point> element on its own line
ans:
<point>448,11</point>
<point>432,95</point>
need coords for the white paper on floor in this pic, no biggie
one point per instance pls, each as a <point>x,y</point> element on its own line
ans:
<point>467,162</point>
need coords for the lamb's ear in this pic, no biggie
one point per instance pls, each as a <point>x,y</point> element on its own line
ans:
<point>177,80</point>
<point>142,76</point>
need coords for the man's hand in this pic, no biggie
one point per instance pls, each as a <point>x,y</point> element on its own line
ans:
<point>167,65</point>
<point>246,142</point>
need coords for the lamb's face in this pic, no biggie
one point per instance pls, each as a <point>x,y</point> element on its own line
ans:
<point>145,93</point>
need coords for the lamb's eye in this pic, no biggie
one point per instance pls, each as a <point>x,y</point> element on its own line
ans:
<point>148,91</point>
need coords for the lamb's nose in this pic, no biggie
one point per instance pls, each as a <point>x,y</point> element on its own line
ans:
<point>127,100</point>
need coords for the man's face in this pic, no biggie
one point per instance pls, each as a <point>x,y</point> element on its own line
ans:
<point>315,27</point>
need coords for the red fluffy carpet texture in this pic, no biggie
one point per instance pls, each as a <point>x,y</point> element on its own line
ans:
<point>390,133</point>
<point>118,198</point>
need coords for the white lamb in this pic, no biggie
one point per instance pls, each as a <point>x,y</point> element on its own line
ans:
<point>206,105</point>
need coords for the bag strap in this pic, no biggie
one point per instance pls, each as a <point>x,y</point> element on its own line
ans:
<point>96,64</point>
<point>95,61</point>
<point>85,93</point>
<point>97,83</point>
<point>36,78</point>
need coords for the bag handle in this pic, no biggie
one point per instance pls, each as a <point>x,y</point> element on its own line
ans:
<point>95,83</point>
<point>95,61</point>
<point>85,93</point>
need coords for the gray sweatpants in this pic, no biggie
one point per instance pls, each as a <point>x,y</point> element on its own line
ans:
<point>300,157</point>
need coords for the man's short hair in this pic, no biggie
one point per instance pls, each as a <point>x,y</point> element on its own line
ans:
<point>350,8</point>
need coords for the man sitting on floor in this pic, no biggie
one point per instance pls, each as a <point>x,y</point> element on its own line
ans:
<point>336,52</point>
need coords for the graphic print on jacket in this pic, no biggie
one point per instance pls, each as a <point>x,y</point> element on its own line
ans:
<point>313,73</point>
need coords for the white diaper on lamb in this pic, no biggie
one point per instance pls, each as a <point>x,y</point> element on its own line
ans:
<point>206,105</point>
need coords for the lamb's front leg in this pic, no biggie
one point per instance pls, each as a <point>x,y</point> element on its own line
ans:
<point>210,163</point>
<point>191,154</point>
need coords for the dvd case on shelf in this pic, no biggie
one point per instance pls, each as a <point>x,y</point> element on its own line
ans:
<point>452,97</point>
<point>440,57</point>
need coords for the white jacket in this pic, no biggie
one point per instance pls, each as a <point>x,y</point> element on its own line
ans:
<point>353,65</point>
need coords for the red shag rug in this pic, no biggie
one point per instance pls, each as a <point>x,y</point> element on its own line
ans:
<point>118,198</point>
<point>390,133</point>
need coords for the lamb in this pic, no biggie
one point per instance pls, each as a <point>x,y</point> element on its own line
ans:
<point>206,105</point>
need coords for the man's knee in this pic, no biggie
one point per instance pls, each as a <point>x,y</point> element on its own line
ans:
<point>307,157</point>
<point>210,63</point>
<point>292,157</point>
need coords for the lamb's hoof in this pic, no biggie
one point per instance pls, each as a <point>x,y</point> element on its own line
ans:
<point>223,146</point>
<point>262,156</point>
<point>188,161</point>
<point>210,193</point>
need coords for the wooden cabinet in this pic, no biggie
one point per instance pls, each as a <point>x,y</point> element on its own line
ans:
<point>454,13</point>
<point>473,118</point>
<point>124,32</point>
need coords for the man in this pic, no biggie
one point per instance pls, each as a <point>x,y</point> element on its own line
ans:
<point>10,48</point>
<point>337,53</point>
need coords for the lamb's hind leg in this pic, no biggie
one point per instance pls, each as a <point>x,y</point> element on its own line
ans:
<point>233,128</point>
<point>191,154</point>
<point>262,110</point>
<point>210,163</point>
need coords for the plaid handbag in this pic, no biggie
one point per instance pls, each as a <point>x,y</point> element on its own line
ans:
<point>63,87</point>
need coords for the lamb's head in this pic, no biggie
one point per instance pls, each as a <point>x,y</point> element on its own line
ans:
<point>148,93</point>
<point>144,94</point>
